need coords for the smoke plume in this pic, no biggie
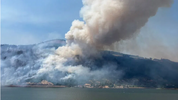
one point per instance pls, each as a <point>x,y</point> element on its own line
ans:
<point>105,22</point>
<point>109,21</point>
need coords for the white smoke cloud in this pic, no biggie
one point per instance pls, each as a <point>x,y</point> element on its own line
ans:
<point>105,22</point>
<point>109,21</point>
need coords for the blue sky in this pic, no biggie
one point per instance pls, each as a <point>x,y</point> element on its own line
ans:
<point>34,21</point>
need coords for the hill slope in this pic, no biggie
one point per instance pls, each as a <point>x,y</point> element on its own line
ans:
<point>20,64</point>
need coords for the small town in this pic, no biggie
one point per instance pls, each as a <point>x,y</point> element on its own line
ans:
<point>90,84</point>
<point>45,83</point>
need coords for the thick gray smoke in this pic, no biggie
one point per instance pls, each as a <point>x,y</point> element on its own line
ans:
<point>109,21</point>
<point>105,22</point>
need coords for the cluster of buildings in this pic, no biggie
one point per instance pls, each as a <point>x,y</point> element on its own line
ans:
<point>87,85</point>
<point>91,84</point>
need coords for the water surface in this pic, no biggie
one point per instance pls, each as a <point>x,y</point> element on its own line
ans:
<point>16,93</point>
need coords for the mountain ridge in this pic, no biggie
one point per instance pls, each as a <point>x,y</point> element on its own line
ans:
<point>23,62</point>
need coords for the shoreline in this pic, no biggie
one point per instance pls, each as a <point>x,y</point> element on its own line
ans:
<point>36,86</point>
<point>59,86</point>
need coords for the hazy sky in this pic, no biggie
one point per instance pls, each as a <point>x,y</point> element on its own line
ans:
<point>34,21</point>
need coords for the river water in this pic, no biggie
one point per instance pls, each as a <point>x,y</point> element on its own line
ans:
<point>17,93</point>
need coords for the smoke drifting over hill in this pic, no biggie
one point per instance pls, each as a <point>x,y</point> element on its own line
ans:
<point>105,22</point>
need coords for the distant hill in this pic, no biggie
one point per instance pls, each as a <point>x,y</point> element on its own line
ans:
<point>21,62</point>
